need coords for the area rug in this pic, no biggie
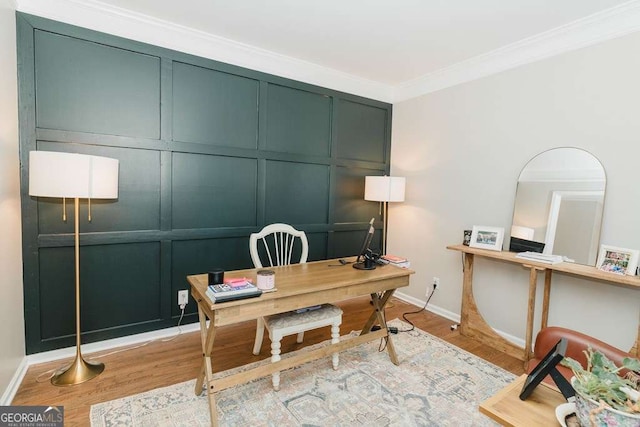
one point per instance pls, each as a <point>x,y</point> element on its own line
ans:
<point>436,384</point>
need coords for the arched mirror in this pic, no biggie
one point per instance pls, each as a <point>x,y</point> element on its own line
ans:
<point>558,205</point>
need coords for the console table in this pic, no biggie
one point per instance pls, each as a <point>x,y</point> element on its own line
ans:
<point>472,324</point>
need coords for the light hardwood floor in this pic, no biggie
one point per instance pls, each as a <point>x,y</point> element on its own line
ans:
<point>159,364</point>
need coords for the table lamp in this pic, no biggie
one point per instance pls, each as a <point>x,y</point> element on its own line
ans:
<point>384,189</point>
<point>70,175</point>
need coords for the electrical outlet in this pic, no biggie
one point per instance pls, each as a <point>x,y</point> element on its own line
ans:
<point>436,281</point>
<point>183,297</point>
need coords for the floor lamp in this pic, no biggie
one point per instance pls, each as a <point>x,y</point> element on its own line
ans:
<point>384,189</point>
<point>69,175</point>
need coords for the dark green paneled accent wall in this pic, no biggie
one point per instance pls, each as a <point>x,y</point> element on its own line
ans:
<point>209,153</point>
<point>210,107</point>
<point>82,86</point>
<point>136,263</point>
<point>361,132</point>
<point>296,193</point>
<point>213,191</point>
<point>298,121</point>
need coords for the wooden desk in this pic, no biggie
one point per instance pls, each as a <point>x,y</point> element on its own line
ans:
<point>538,410</point>
<point>299,285</point>
<point>472,324</point>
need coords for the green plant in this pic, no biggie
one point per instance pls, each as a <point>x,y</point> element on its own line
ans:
<point>600,380</point>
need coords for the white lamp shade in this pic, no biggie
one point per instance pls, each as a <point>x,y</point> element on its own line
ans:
<point>384,188</point>
<point>53,174</point>
<point>522,232</point>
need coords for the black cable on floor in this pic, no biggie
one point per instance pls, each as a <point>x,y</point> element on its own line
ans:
<point>384,340</point>
<point>416,312</point>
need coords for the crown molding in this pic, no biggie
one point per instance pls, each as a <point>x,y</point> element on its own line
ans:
<point>121,22</point>
<point>605,25</point>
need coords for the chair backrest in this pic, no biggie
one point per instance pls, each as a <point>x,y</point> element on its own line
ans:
<point>278,240</point>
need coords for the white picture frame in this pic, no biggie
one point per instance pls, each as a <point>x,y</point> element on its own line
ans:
<point>617,260</point>
<point>485,237</point>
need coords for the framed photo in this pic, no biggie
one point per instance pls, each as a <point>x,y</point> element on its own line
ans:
<point>618,260</point>
<point>487,237</point>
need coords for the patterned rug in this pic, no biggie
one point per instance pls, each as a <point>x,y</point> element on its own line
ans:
<point>436,384</point>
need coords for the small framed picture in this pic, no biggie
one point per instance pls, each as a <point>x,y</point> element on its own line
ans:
<point>487,237</point>
<point>618,260</point>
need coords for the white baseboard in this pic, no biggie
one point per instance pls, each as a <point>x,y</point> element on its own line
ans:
<point>49,356</point>
<point>63,353</point>
<point>14,384</point>
<point>453,316</point>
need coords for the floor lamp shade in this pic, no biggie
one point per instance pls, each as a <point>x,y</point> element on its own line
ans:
<point>384,188</point>
<point>74,176</point>
<point>70,175</point>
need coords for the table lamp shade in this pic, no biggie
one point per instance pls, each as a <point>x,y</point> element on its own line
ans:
<point>384,188</point>
<point>54,174</point>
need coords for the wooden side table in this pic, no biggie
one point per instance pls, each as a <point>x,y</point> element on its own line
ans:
<point>539,409</point>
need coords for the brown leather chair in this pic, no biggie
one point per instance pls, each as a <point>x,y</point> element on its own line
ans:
<point>577,343</point>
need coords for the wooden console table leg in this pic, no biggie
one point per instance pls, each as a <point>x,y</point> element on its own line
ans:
<point>533,281</point>
<point>207,335</point>
<point>467,294</point>
<point>545,298</point>
<point>473,325</point>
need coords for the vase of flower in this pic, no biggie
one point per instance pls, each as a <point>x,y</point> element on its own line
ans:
<point>603,397</point>
<point>592,413</point>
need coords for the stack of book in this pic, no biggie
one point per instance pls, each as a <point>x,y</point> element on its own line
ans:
<point>395,260</point>
<point>232,291</point>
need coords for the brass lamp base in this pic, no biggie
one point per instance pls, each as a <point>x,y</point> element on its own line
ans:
<point>79,372</point>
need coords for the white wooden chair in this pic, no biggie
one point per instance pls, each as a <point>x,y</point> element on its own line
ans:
<point>278,241</point>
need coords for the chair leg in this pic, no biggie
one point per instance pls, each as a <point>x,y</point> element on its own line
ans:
<point>335,338</point>
<point>259,336</point>
<point>275,356</point>
<point>300,337</point>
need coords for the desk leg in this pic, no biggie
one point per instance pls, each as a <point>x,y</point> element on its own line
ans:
<point>382,301</point>
<point>207,336</point>
<point>378,314</point>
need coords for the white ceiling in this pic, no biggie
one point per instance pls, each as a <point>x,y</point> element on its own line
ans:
<point>386,41</point>
<point>389,50</point>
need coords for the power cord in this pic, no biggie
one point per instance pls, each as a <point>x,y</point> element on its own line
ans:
<point>52,372</point>
<point>404,315</point>
<point>394,330</point>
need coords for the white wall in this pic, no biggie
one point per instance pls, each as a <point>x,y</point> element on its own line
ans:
<point>11,303</point>
<point>462,150</point>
